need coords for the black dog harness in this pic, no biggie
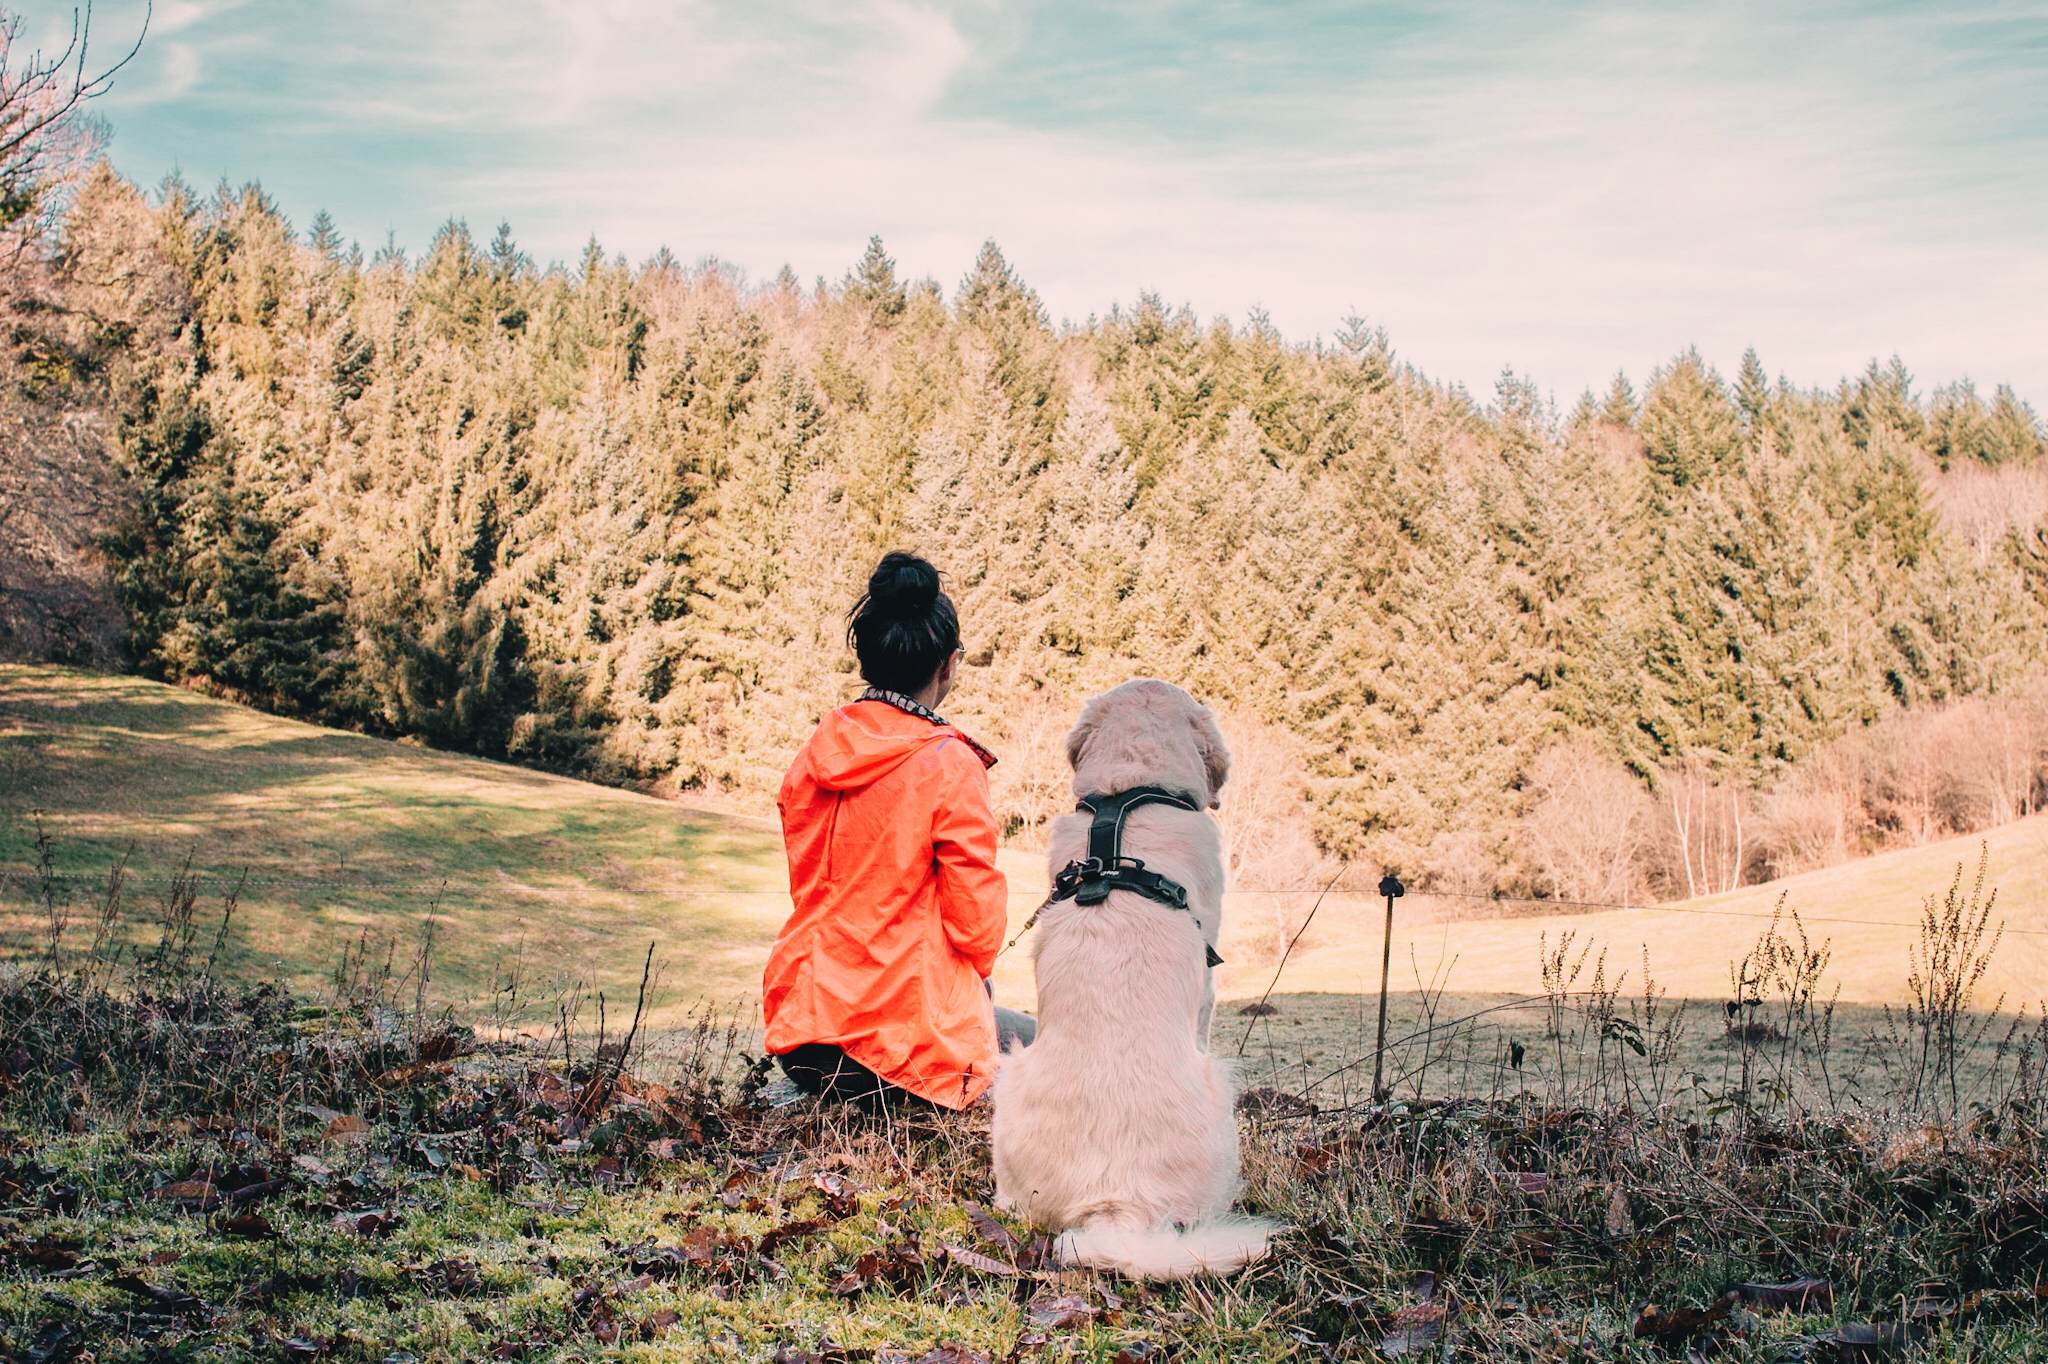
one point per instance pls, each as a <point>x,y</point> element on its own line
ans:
<point>1105,869</point>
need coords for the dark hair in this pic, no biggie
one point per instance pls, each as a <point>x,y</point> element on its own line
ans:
<point>903,629</point>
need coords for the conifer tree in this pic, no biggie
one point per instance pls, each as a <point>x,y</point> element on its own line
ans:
<point>1620,408</point>
<point>873,284</point>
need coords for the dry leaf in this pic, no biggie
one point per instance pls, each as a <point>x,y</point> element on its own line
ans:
<point>974,1260</point>
<point>1681,1323</point>
<point>990,1230</point>
<point>191,1194</point>
<point>1805,1295</point>
<point>947,1353</point>
<point>1620,1226</point>
<point>1053,1313</point>
<point>253,1225</point>
<point>347,1127</point>
<point>1416,1327</point>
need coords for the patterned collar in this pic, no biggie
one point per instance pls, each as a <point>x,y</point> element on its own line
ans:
<point>910,707</point>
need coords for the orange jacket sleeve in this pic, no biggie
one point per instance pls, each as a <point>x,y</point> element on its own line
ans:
<point>974,897</point>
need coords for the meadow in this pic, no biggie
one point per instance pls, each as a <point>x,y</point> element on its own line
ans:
<point>337,1136</point>
<point>351,839</point>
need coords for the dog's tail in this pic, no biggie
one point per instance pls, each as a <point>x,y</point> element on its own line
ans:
<point>1222,1246</point>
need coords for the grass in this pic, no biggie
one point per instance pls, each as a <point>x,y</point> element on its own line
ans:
<point>436,1206</point>
<point>342,835</point>
<point>367,1177</point>
<point>1868,908</point>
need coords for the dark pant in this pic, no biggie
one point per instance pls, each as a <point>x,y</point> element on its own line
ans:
<point>823,1069</point>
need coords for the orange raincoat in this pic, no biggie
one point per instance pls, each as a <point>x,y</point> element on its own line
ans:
<point>899,907</point>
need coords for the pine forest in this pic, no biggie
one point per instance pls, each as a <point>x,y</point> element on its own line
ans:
<point>1699,630</point>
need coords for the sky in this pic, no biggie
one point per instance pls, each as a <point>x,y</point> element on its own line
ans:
<point>1564,189</point>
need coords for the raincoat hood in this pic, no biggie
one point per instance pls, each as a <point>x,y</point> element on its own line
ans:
<point>854,746</point>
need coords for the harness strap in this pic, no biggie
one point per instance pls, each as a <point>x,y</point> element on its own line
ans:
<point>1106,868</point>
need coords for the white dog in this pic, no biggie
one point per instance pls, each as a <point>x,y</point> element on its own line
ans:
<point>1116,1126</point>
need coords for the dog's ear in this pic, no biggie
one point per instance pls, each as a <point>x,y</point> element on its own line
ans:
<point>1077,737</point>
<point>1215,753</point>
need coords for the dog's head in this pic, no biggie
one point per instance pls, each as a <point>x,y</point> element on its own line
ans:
<point>1148,733</point>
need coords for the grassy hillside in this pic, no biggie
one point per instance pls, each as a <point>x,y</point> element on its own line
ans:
<point>1867,910</point>
<point>343,834</point>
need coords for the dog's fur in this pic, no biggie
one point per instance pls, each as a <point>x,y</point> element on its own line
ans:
<point>1116,1126</point>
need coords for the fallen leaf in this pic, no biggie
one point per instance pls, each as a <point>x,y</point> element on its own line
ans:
<point>458,1278</point>
<point>1805,1295</point>
<point>369,1222</point>
<point>157,1297</point>
<point>842,1196</point>
<point>954,1354</point>
<point>1054,1313</point>
<point>53,1342</point>
<point>253,1225</point>
<point>347,1127</point>
<point>976,1261</point>
<point>191,1194</point>
<point>257,1192</point>
<point>44,1253</point>
<point>990,1230</point>
<point>790,1231</point>
<point>1620,1226</point>
<point>313,1165</point>
<point>1414,1328</point>
<point>1682,1323</point>
<point>1864,1341</point>
<point>441,1046</point>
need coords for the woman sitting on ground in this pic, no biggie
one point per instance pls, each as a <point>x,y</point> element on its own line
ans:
<point>877,987</point>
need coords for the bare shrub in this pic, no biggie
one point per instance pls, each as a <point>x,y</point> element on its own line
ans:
<point>1819,816</point>
<point>1979,503</point>
<point>1269,844</point>
<point>1992,752</point>
<point>1463,864</point>
<point>1587,827</point>
<point>1708,840</point>
<point>1911,778</point>
<point>1033,784</point>
<point>1939,1022</point>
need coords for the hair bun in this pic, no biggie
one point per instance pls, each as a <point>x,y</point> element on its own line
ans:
<point>904,629</point>
<point>903,584</point>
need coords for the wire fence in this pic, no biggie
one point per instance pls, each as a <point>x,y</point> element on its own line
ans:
<point>212,882</point>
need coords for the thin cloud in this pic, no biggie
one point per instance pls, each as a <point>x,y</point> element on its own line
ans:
<point>1563,189</point>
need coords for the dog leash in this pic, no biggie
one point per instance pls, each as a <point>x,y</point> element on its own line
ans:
<point>1029,923</point>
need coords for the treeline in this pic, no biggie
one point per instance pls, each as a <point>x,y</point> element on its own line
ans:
<point>607,520</point>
